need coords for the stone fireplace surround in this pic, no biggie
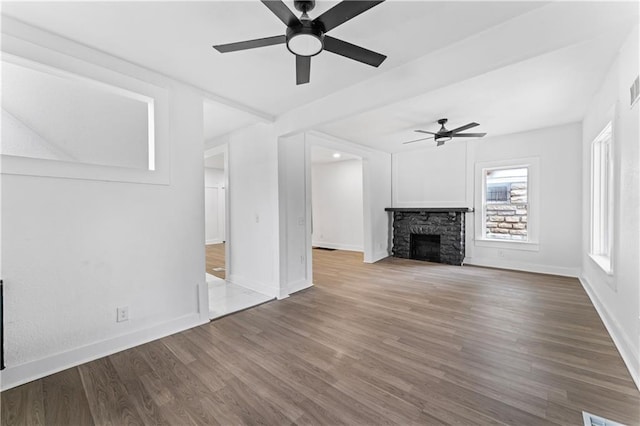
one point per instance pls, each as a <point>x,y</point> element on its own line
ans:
<point>447,222</point>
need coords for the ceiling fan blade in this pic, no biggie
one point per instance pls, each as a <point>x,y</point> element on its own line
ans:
<point>465,127</point>
<point>425,131</point>
<point>344,11</point>
<point>282,12</point>
<point>468,135</point>
<point>351,51</point>
<point>250,44</point>
<point>417,140</point>
<point>303,69</point>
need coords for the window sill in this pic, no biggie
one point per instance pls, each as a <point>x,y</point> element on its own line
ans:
<point>506,244</point>
<point>603,262</point>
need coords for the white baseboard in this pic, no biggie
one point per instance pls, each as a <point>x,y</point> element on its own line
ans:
<point>523,266</point>
<point>620,339</point>
<point>337,246</point>
<point>379,255</point>
<point>17,375</point>
<point>298,286</point>
<point>253,285</point>
<point>214,241</point>
<point>212,279</point>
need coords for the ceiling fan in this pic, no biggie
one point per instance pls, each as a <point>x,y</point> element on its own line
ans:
<point>443,135</point>
<point>306,38</point>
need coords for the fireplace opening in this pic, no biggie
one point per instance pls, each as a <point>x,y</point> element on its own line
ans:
<point>425,247</point>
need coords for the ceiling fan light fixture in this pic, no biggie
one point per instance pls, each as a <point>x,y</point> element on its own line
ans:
<point>442,139</point>
<point>305,40</point>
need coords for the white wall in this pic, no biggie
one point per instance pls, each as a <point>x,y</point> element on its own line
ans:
<point>432,177</point>
<point>617,296</point>
<point>420,178</point>
<point>253,209</point>
<point>214,205</point>
<point>337,205</point>
<point>74,250</point>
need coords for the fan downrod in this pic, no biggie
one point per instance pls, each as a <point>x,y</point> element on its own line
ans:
<point>304,6</point>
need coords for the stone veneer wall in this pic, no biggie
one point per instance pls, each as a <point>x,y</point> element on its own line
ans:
<point>449,225</point>
<point>508,220</point>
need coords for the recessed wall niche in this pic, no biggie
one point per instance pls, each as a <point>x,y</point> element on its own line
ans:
<point>65,117</point>
<point>54,115</point>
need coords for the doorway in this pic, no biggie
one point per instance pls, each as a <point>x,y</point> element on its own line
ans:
<point>225,297</point>
<point>215,215</point>
<point>337,216</point>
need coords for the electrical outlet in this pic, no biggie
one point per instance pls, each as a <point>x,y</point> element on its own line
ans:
<point>122,314</point>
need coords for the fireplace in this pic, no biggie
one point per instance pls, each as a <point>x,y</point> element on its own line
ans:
<point>425,247</point>
<point>432,234</point>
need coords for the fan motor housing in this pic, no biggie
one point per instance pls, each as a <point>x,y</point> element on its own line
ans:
<point>307,28</point>
<point>304,6</point>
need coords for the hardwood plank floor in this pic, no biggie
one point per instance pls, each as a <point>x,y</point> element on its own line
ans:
<point>396,342</point>
<point>214,258</point>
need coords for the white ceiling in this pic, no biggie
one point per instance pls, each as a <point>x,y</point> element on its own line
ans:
<point>215,161</point>
<point>220,119</point>
<point>548,90</point>
<point>175,38</point>
<point>511,66</point>
<point>320,155</point>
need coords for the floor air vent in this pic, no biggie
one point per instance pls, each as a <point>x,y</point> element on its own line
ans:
<point>593,420</point>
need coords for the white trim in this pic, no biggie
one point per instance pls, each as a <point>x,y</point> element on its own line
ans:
<point>17,375</point>
<point>604,141</point>
<point>260,287</point>
<point>214,241</point>
<point>507,244</point>
<point>603,262</point>
<point>533,196</point>
<point>337,246</point>
<point>378,255</point>
<point>346,146</point>
<point>295,287</point>
<point>523,266</point>
<point>620,339</point>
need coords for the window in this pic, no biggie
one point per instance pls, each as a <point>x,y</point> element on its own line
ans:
<point>506,203</point>
<point>498,192</point>
<point>602,199</point>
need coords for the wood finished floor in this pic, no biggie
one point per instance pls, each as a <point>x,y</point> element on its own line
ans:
<point>214,254</point>
<point>396,342</point>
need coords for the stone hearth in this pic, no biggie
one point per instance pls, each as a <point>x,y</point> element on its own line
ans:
<point>447,223</point>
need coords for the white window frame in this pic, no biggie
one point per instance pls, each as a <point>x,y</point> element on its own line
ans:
<point>602,200</point>
<point>532,164</point>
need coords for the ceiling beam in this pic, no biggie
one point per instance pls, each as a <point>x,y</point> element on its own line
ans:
<point>540,31</point>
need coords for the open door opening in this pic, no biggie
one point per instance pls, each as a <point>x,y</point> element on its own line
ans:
<point>225,297</point>
<point>337,206</point>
